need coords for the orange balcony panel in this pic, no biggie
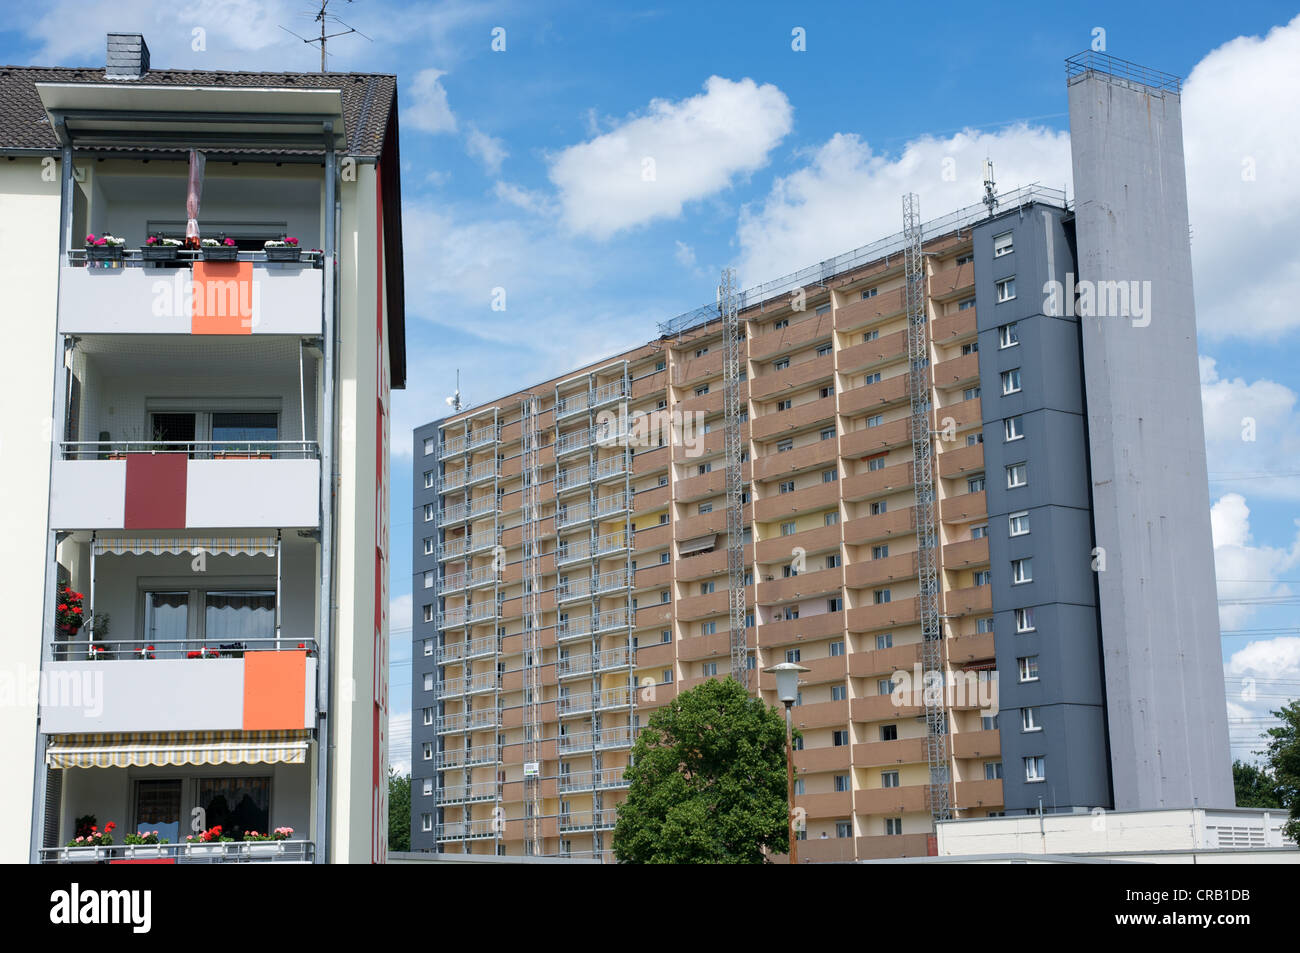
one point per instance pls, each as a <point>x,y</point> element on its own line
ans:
<point>796,376</point>
<point>869,441</point>
<point>866,355</point>
<point>830,804</point>
<point>953,281</point>
<point>871,529</point>
<point>821,671</point>
<point>771,466</point>
<point>961,461</point>
<point>819,496</point>
<point>888,753</point>
<point>801,332</point>
<point>967,553</point>
<point>873,617</point>
<point>816,760</point>
<point>900,800</point>
<point>872,398</point>
<point>881,846</point>
<point>873,483</point>
<point>884,661</point>
<point>970,599</point>
<point>800,417</point>
<point>796,631</point>
<point>877,572</point>
<point>963,649</point>
<point>864,311</point>
<point>882,708</point>
<point>953,328</point>
<point>957,372</point>
<point>972,794</point>
<point>964,508</point>
<point>807,585</point>
<point>821,715</point>
<point>977,744</point>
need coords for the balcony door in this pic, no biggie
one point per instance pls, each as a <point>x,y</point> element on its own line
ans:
<point>173,428</point>
<point>167,623</point>
<point>158,808</point>
<point>235,618</point>
<point>230,621</point>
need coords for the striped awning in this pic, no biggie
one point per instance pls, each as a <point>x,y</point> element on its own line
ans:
<point>697,545</point>
<point>183,545</point>
<point>135,750</point>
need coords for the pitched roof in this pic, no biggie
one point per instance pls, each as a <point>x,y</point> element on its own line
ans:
<point>368,99</point>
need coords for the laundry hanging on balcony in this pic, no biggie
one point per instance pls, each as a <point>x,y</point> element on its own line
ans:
<point>185,545</point>
<point>193,192</point>
<point>177,749</point>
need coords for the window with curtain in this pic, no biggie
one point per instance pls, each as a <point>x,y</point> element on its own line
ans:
<point>237,616</point>
<point>166,622</point>
<point>158,808</point>
<point>239,805</point>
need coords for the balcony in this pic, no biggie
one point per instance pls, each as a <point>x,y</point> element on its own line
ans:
<point>471,510</point>
<point>607,739</point>
<point>465,477</point>
<point>449,759</point>
<point>241,852</point>
<point>467,615</point>
<point>574,514</point>
<point>611,620</point>
<point>572,404</point>
<point>249,685</point>
<point>470,830</point>
<point>566,706</point>
<point>473,579</point>
<point>455,444</point>
<point>606,779</point>
<point>609,468</point>
<point>467,793</point>
<point>250,296</point>
<point>577,822</point>
<point>471,685</point>
<point>453,652</point>
<point>468,721</point>
<point>578,550</point>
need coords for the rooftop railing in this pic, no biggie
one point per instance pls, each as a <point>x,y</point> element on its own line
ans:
<point>193,449</point>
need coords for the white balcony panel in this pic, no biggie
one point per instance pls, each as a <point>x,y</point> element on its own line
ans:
<point>238,493</point>
<point>283,299</point>
<point>150,695</point>
<point>88,494</point>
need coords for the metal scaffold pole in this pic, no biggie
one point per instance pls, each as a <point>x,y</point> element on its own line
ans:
<point>728,306</point>
<point>936,735</point>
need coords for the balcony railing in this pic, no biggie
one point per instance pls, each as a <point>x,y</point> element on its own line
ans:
<point>610,620</point>
<point>452,758</point>
<point>473,685</point>
<point>454,652</point>
<point>240,852</point>
<point>459,512</point>
<point>467,615</point>
<point>451,446</point>
<point>599,435</point>
<point>467,793</point>
<point>602,780</point>
<point>572,404</point>
<point>569,666</point>
<point>581,476</point>
<point>193,449</point>
<point>578,550</point>
<point>603,740</point>
<point>578,821</point>
<point>109,650</point>
<point>469,720</point>
<point>467,545</point>
<point>593,701</point>
<point>612,581</point>
<point>470,830</point>
<point>572,514</point>
<point>134,258</point>
<point>483,576</point>
<point>487,470</point>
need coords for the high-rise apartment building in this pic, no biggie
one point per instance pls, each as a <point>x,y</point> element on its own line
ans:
<point>196,446</point>
<point>570,537</point>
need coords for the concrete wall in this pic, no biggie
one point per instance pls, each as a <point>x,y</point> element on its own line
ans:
<point>1160,631</point>
<point>421,631</point>
<point>29,241</point>
<point>1068,696</point>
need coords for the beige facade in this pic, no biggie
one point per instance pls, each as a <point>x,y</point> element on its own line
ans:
<point>631,575</point>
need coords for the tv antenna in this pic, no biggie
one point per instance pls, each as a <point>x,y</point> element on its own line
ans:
<point>454,400</point>
<point>325,19</point>
<point>990,187</point>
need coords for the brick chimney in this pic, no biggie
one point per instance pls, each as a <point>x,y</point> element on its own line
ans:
<point>128,56</point>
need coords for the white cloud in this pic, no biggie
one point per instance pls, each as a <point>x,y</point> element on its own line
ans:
<point>529,200</point>
<point>1251,428</point>
<point>399,742</point>
<point>427,106</point>
<point>1241,110</point>
<point>487,149</point>
<point>1246,573</point>
<point>685,255</point>
<point>648,167</point>
<point>849,195</point>
<point>399,612</point>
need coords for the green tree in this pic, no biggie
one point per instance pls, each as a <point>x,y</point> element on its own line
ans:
<point>1254,785</point>
<point>399,811</point>
<point>708,782</point>
<point>1284,763</point>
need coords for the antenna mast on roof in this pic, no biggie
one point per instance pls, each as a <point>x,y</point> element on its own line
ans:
<point>323,16</point>
<point>990,187</point>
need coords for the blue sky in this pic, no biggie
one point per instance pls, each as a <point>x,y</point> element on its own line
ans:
<point>516,176</point>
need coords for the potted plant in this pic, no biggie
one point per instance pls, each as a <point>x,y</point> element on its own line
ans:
<point>144,844</point>
<point>104,248</point>
<point>67,611</point>
<point>147,652</point>
<point>282,249</point>
<point>207,843</point>
<point>97,626</point>
<point>267,845</point>
<point>204,652</point>
<point>89,847</point>
<point>220,249</point>
<point>157,248</point>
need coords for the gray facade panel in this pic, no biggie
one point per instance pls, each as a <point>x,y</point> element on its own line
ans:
<point>1163,664</point>
<point>423,632</point>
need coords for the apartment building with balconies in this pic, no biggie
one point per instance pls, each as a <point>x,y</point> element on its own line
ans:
<point>191,486</point>
<point>569,544</point>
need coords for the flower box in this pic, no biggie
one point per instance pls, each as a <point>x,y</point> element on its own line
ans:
<point>205,850</point>
<point>104,252</point>
<point>83,855</point>
<point>265,848</point>
<point>144,850</point>
<point>283,253</point>
<point>159,252</point>
<point>220,253</point>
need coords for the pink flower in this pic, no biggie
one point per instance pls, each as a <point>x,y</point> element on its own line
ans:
<point>230,241</point>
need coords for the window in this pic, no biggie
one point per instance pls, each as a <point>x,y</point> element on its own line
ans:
<point>979,532</point>
<point>784,445</point>
<point>1011,381</point>
<point>1009,335</point>
<point>1006,289</point>
<point>989,722</point>
<point>885,640</point>
<point>983,577</point>
<point>704,468</point>
<point>837,649</point>
<point>875,420</point>
<point>880,552</point>
<point>428,446</point>
<point>830,476</point>
<point>428,613</point>
<point>428,579</point>
<point>703,510</point>
<point>878,507</point>
<point>700,352</point>
<point>783,405</point>
<point>970,393</point>
<point>875,463</point>
<point>870,336</point>
<point>964,260</point>
<point>428,646</point>
<point>833,561</point>
<point>1028,668</point>
<point>842,784</point>
<point>709,628</point>
<point>1022,570</point>
<point>843,828</point>
<point>661,404</point>
<point>975,484</point>
<point>971,348</point>
<point>992,770</point>
<point>788,529</point>
<point>663,518</point>
<point>792,655</point>
<point>884,686</point>
<point>828,433</point>
<point>708,669</point>
<point>984,624</point>
<point>974,439</point>
<point>787,486</point>
<point>827,391</point>
<point>781,365</point>
<point>835,605</point>
<point>428,545</point>
<point>428,716</point>
<point>779,325</point>
<point>706,588</point>
<point>660,365</point>
<point>965,304</point>
<point>428,512</point>
<point>788,613</point>
<point>799,786</point>
<point>889,779</point>
<point>1017,475</point>
<point>839,693</point>
<point>870,293</point>
<point>1025,620</point>
<point>665,596</point>
<point>426,753</point>
<point>1013,427</point>
<point>831,518</point>
<point>666,635</point>
<point>880,596</point>
<point>1029,720</point>
<point>426,822</point>
<point>873,378</point>
<point>663,558</point>
<point>1018,523</point>
<point>427,787</point>
<point>428,479</point>
<point>701,390</point>
<point>825,348</point>
<point>839,738</point>
<point>894,826</point>
<point>1036,769</point>
<point>1003,245</point>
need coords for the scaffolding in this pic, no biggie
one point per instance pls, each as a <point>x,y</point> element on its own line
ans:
<point>532,628</point>
<point>728,306</point>
<point>936,724</point>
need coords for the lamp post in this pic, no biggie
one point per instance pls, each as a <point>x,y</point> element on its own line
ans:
<point>787,689</point>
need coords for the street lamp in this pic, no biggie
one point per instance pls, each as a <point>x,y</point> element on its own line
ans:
<point>787,689</point>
